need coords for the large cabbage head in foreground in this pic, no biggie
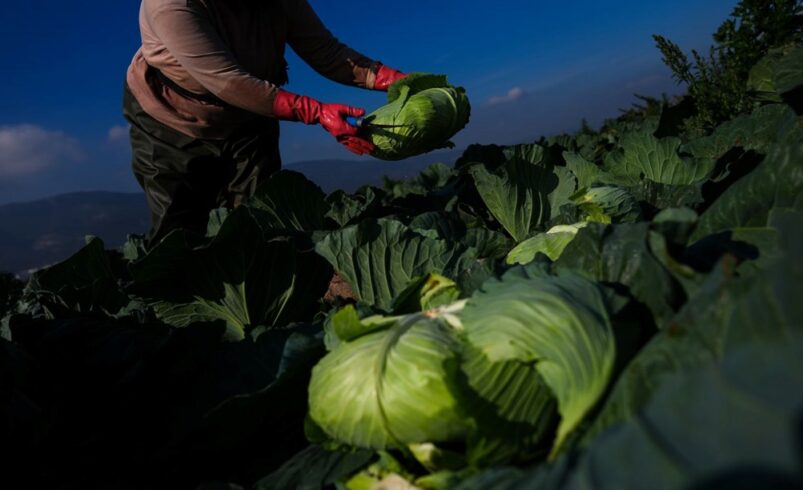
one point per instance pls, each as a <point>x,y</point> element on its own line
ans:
<point>426,112</point>
<point>508,373</point>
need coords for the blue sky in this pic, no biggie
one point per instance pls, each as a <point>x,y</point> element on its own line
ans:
<point>530,68</point>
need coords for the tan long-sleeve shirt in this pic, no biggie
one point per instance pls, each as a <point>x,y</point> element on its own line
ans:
<point>233,50</point>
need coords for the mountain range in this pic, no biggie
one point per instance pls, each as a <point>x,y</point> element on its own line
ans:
<point>39,233</point>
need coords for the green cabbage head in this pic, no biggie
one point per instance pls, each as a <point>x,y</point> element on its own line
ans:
<point>427,112</point>
<point>509,372</point>
<point>388,383</point>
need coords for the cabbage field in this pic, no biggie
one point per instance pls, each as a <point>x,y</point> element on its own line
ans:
<point>616,309</point>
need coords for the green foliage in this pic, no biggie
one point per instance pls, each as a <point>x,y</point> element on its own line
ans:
<point>717,82</point>
<point>241,277</point>
<point>289,201</point>
<point>431,178</point>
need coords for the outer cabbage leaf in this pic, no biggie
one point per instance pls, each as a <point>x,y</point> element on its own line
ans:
<point>547,157</point>
<point>492,156</point>
<point>290,201</point>
<point>239,277</point>
<point>608,204</point>
<point>662,196</point>
<point>513,409</point>
<point>621,254</point>
<point>84,284</point>
<point>725,311</point>
<point>427,110</point>
<point>427,293</point>
<point>788,76</point>
<point>762,77</point>
<point>380,258</point>
<point>693,340</point>
<point>586,172</point>
<point>642,156</point>
<point>757,131</point>
<point>431,178</point>
<point>681,440</point>
<point>487,243</point>
<point>438,224</point>
<point>542,477</point>
<point>521,194</point>
<point>315,468</point>
<point>347,209</point>
<point>676,224</point>
<point>534,153</point>
<point>777,182</point>
<point>391,387</point>
<point>551,244</point>
<point>558,324</point>
<point>563,193</point>
<point>216,219</point>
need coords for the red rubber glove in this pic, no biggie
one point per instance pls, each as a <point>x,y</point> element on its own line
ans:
<point>332,117</point>
<point>385,76</point>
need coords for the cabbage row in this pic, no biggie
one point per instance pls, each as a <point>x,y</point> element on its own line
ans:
<point>614,309</point>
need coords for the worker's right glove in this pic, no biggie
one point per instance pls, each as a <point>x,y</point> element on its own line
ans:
<point>332,117</point>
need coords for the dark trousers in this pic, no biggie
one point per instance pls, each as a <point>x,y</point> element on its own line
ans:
<point>184,178</point>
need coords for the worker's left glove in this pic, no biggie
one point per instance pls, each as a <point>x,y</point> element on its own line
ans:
<point>385,77</point>
<point>332,117</point>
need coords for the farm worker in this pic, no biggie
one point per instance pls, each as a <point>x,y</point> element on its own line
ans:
<point>204,101</point>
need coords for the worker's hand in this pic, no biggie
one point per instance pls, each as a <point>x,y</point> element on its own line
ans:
<point>332,117</point>
<point>385,77</point>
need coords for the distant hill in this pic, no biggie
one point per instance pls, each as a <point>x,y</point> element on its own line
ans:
<point>349,175</point>
<point>39,233</point>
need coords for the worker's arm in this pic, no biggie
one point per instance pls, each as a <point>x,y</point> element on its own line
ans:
<point>313,42</point>
<point>191,39</point>
<point>189,36</point>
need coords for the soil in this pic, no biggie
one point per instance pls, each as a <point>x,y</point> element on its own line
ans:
<point>339,291</point>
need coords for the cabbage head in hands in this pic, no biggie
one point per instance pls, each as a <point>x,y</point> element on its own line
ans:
<point>424,112</point>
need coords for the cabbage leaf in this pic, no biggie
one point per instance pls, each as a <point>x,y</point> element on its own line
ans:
<point>558,324</point>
